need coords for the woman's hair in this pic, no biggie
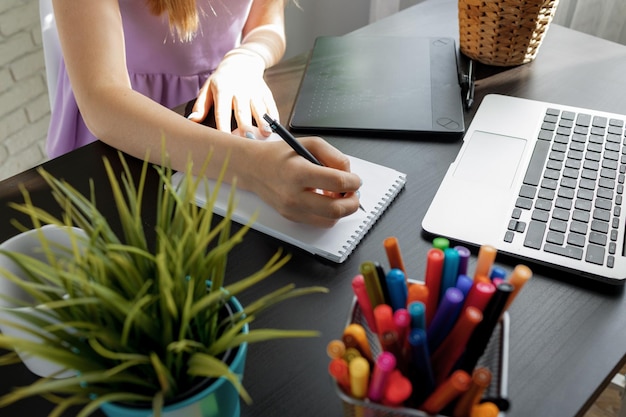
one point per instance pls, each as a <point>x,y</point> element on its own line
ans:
<point>182,15</point>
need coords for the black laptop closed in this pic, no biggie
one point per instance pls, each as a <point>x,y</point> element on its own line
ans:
<point>381,85</point>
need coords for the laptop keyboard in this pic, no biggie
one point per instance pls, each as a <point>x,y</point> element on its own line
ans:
<point>570,202</point>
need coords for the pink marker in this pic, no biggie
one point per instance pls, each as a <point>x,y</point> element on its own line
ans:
<point>385,364</point>
<point>363,300</point>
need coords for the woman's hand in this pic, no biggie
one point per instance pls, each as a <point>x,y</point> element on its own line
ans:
<point>302,191</point>
<point>237,86</point>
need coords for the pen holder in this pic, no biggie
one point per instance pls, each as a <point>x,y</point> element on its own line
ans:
<point>495,358</point>
<point>503,32</point>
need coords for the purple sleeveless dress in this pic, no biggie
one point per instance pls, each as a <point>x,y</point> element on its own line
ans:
<point>159,64</point>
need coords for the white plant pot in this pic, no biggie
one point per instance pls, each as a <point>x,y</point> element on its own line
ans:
<point>29,243</point>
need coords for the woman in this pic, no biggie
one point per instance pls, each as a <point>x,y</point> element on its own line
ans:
<point>127,62</point>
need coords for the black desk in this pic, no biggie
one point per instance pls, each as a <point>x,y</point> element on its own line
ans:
<point>567,339</point>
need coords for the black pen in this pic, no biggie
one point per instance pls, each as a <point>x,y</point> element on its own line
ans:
<point>293,142</point>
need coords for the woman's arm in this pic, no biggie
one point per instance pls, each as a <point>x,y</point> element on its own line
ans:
<point>92,40</point>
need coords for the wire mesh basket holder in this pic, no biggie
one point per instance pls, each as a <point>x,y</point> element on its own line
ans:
<point>495,358</point>
<point>503,32</point>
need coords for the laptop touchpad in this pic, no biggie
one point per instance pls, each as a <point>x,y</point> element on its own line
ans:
<point>490,159</point>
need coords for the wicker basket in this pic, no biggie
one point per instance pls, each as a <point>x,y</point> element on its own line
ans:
<point>503,32</point>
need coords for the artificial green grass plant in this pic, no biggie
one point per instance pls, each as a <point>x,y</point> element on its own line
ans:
<point>136,320</point>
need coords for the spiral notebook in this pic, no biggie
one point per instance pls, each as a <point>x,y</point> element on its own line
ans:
<point>380,186</point>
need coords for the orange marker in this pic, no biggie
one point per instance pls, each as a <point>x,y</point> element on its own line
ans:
<point>335,349</point>
<point>444,394</point>
<point>486,409</point>
<point>354,336</point>
<point>486,258</point>
<point>338,369</point>
<point>417,292</point>
<point>521,274</point>
<point>434,268</point>
<point>481,378</point>
<point>392,248</point>
<point>359,370</point>
<point>452,347</point>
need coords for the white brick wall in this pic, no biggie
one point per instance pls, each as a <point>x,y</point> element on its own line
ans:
<point>24,109</point>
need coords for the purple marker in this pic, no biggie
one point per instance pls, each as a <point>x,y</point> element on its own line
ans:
<point>385,364</point>
<point>464,283</point>
<point>464,255</point>
<point>445,317</point>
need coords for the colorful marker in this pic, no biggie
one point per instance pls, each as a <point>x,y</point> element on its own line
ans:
<point>520,276</point>
<point>363,300</point>
<point>397,289</point>
<point>450,270</point>
<point>421,369</point>
<point>417,292</point>
<point>394,256</point>
<point>448,391</point>
<point>486,258</point>
<point>338,369</point>
<point>452,347</point>
<point>335,349</point>
<point>355,336</point>
<point>387,332</point>
<point>372,283</point>
<point>385,364</point>
<point>464,283</point>
<point>480,294</point>
<point>359,370</point>
<point>486,409</point>
<point>445,317</point>
<point>434,267</point>
<point>480,337</point>
<point>441,243</point>
<point>398,389</point>
<point>464,256</point>
<point>481,378</point>
<point>417,311</point>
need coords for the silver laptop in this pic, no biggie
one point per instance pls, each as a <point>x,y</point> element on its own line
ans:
<point>540,181</point>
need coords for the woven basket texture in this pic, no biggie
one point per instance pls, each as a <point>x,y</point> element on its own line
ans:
<point>503,32</point>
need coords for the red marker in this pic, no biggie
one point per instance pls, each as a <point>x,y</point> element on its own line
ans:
<point>398,389</point>
<point>387,332</point>
<point>434,268</point>
<point>480,294</point>
<point>452,347</point>
<point>338,369</point>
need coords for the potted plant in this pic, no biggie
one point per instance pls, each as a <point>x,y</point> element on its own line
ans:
<point>140,327</point>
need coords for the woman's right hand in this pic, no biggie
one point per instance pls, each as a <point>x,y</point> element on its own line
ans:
<point>299,190</point>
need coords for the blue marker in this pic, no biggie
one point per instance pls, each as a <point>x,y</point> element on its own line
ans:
<point>421,371</point>
<point>497,272</point>
<point>464,283</point>
<point>450,270</point>
<point>396,286</point>
<point>417,311</point>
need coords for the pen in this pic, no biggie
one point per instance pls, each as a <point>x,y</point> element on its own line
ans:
<point>359,371</point>
<point>444,394</point>
<point>293,142</point>
<point>385,364</point>
<point>434,267</point>
<point>394,256</point>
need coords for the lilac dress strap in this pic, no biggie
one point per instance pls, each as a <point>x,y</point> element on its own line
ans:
<point>160,66</point>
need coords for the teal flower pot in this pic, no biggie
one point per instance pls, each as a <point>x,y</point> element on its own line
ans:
<point>218,399</point>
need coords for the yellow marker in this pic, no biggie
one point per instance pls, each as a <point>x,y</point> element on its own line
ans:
<point>354,336</point>
<point>351,353</point>
<point>359,377</point>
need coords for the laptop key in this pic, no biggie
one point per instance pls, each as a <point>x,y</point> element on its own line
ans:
<point>595,254</point>
<point>534,234</point>
<point>567,251</point>
<point>537,161</point>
